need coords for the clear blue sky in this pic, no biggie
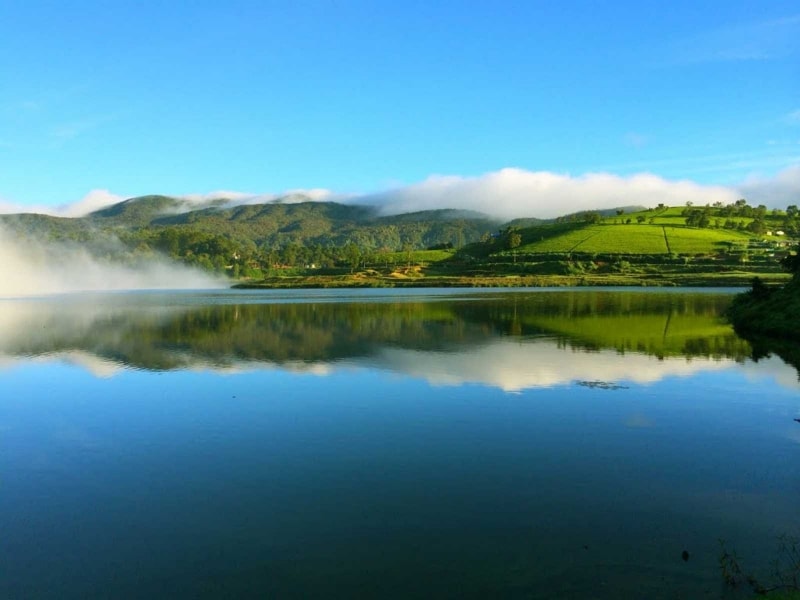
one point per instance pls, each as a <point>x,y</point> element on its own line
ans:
<point>358,97</point>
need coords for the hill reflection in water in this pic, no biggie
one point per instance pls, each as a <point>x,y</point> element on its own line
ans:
<point>460,444</point>
<point>511,340</point>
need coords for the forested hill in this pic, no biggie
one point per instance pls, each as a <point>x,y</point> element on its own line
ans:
<point>300,221</point>
<point>205,232</point>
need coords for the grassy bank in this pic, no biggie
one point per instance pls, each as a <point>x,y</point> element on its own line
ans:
<point>418,278</point>
<point>768,312</point>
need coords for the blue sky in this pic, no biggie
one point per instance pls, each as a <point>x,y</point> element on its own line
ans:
<point>411,103</point>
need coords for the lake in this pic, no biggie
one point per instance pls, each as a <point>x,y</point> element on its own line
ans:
<point>389,444</point>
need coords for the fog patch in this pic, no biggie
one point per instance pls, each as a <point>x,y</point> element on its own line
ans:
<point>29,267</point>
<point>511,193</point>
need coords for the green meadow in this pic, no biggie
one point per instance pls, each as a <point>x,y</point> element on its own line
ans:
<point>608,238</point>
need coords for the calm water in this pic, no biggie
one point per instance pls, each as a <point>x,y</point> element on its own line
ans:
<point>546,444</point>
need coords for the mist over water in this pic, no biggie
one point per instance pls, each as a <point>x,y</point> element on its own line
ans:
<point>31,268</point>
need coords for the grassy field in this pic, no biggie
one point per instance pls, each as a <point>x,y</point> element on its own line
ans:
<point>416,256</point>
<point>624,239</point>
<point>674,215</point>
<point>611,239</point>
<point>637,238</point>
<point>690,240</point>
<point>422,277</point>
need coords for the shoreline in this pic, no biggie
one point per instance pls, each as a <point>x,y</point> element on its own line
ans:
<point>507,281</point>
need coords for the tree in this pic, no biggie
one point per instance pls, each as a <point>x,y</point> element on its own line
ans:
<point>352,254</point>
<point>696,217</point>
<point>757,226</point>
<point>408,250</point>
<point>791,262</point>
<point>514,240</point>
<point>290,255</point>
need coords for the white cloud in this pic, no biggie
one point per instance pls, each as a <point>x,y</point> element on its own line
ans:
<point>778,191</point>
<point>94,200</point>
<point>510,193</point>
<point>216,195</point>
<point>240,198</point>
<point>101,198</point>
<point>504,194</point>
<point>794,116</point>
<point>315,194</point>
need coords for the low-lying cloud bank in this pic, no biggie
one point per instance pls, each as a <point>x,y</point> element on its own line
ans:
<point>510,193</point>
<point>30,268</point>
<point>504,194</point>
<point>774,192</point>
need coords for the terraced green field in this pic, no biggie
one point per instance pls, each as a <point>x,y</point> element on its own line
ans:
<point>622,239</point>
<point>672,216</point>
<point>565,242</point>
<point>641,239</point>
<point>689,240</point>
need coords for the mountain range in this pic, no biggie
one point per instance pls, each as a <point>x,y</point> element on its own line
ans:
<point>294,219</point>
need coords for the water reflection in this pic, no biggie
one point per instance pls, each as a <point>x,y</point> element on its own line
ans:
<point>509,340</point>
<point>166,479</point>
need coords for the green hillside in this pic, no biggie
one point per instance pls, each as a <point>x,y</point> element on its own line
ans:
<point>295,237</point>
<point>45,227</point>
<point>136,212</point>
<point>638,239</point>
<point>302,222</point>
